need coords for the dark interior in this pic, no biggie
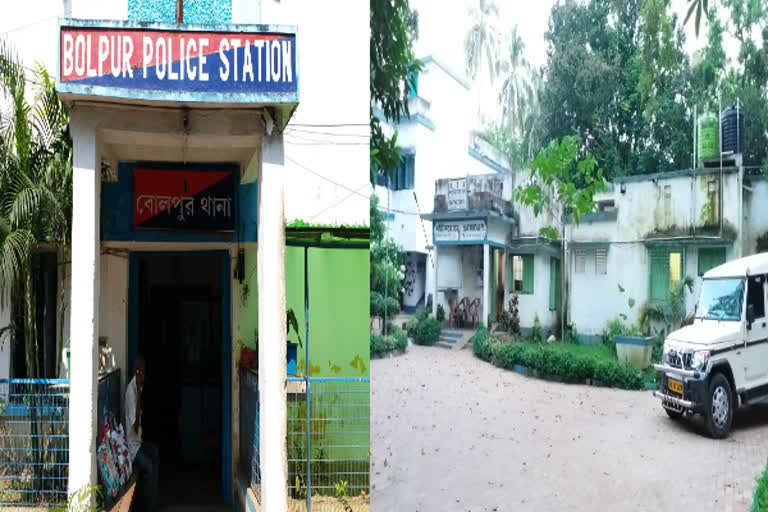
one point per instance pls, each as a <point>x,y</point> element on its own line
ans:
<point>180,337</point>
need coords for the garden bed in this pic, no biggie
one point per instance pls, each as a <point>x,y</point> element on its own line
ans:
<point>760,498</point>
<point>391,344</point>
<point>562,362</point>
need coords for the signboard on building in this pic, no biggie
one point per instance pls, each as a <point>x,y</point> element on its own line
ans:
<point>178,62</point>
<point>457,194</point>
<point>183,200</point>
<point>460,231</point>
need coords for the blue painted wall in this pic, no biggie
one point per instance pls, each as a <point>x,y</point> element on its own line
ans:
<point>117,209</point>
<point>195,11</point>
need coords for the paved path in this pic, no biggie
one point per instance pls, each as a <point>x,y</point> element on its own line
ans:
<point>451,432</point>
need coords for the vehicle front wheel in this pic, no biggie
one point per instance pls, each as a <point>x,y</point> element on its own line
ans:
<point>675,415</point>
<point>719,411</point>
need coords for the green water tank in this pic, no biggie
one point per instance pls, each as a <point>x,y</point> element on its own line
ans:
<point>708,126</point>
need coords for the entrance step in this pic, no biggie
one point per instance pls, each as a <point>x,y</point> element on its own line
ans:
<point>455,339</point>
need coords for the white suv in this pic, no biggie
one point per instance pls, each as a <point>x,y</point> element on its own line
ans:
<point>721,361</point>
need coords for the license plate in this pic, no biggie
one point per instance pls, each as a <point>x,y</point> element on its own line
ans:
<point>675,386</point>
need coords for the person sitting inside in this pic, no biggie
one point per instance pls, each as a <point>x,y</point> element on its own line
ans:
<point>145,455</point>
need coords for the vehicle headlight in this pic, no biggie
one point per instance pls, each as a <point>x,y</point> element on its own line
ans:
<point>699,359</point>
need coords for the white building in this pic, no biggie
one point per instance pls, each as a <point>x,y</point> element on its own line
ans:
<point>653,230</point>
<point>436,143</point>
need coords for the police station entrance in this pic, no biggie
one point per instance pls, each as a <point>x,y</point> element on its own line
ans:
<point>177,149</point>
<point>181,324</point>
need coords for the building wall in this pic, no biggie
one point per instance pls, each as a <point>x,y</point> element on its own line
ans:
<point>537,304</point>
<point>460,267</point>
<point>596,300</point>
<point>415,273</point>
<point>755,216</point>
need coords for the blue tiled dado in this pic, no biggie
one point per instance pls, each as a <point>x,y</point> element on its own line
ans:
<point>195,11</point>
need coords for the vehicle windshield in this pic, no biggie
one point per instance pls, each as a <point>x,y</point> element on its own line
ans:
<point>721,299</point>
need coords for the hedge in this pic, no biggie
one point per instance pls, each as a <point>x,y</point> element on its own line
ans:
<point>427,332</point>
<point>760,498</point>
<point>383,345</point>
<point>570,363</point>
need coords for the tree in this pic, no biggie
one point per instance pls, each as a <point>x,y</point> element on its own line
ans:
<point>387,266</point>
<point>514,88</point>
<point>393,28</point>
<point>560,177</point>
<point>617,76</point>
<point>35,190</point>
<point>699,7</point>
<point>482,42</point>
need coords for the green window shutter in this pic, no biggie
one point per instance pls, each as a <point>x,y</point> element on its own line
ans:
<point>554,283</point>
<point>659,275</point>
<point>510,274</point>
<point>710,258</point>
<point>528,273</point>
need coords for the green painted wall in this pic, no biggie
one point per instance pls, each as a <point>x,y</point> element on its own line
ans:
<point>339,309</point>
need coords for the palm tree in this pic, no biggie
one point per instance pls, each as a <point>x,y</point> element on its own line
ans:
<point>35,189</point>
<point>515,88</point>
<point>482,40</point>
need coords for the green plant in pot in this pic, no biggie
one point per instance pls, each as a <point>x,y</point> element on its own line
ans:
<point>291,322</point>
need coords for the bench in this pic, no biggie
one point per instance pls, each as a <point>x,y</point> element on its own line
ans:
<point>125,497</point>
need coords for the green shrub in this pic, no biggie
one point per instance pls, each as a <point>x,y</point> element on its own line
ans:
<point>440,315</point>
<point>482,343</point>
<point>536,334</point>
<point>377,304</point>
<point>427,331</point>
<point>380,345</point>
<point>383,345</point>
<point>760,498</point>
<point>410,326</point>
<point>421,314</point>
<point>400,339</point>
<point>569,362</point>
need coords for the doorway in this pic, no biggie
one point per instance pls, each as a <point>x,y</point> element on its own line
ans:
<point>179,317</point>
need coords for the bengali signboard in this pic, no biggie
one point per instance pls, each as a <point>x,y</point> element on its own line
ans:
<point>460,231</point>
<point>183,200</point>
<point>177,63</point>
<point>457,194</point>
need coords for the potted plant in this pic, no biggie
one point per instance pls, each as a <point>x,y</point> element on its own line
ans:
<point>291,322</point>
<point>292,348</point>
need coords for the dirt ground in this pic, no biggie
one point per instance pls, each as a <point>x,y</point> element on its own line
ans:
<point>451,432</point>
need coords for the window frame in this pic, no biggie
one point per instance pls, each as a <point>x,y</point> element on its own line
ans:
<point>711,254</point>
<point>605,261</point>
<point>526,272</point>
<point>658,254</point>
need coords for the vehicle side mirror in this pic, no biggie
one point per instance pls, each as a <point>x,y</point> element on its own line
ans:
<point>750,315</point>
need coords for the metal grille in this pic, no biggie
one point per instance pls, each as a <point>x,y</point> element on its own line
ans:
<point>249,426</point>
<point>679,359</point>
<point>34,441</point>
<point>338,443</point>
<point>601,261</point>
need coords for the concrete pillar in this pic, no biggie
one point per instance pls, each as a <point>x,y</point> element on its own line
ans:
<point>506,277</point>
<point>84,318</point>
<point>486,283</point>
<point>272,336</point>
<point>434,295</point>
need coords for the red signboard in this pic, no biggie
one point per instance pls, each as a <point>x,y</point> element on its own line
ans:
<point>183,199</point>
